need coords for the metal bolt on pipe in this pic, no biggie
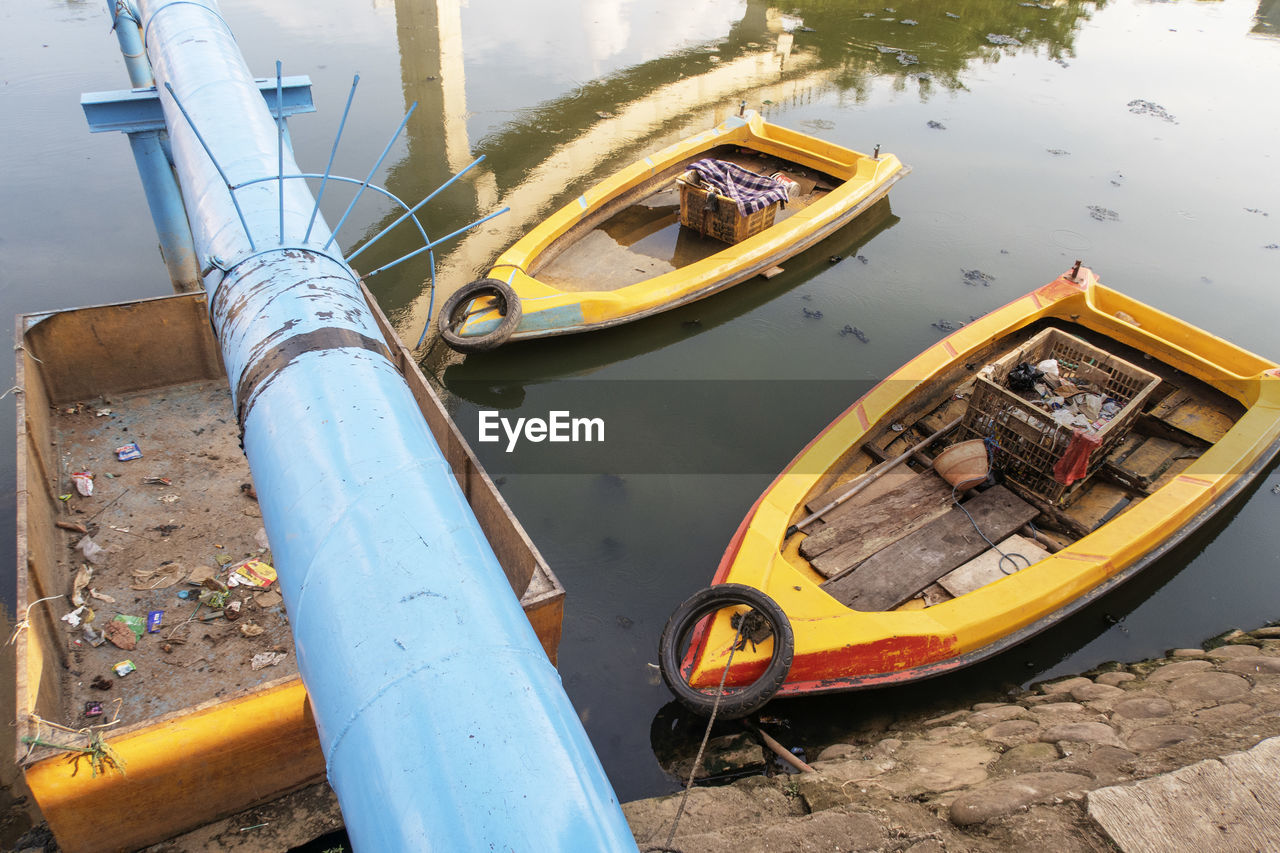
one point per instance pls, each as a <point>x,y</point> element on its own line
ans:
<point>443,724</point>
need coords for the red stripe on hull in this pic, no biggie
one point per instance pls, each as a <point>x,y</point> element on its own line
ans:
<point>808,671</point>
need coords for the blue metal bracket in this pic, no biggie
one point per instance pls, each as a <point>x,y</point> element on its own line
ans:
<point>133,110</point>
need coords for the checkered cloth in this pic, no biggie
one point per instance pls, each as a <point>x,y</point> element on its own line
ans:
<point>750,191</point>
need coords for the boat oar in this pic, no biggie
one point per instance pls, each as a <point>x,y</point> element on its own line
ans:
<point>868,479</point>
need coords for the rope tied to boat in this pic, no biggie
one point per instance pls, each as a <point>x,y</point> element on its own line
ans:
<point>100,755</point>
<point>738,642</point>
<point>25,622</point>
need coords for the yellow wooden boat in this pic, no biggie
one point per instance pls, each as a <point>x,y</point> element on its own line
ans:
<point>619,252</point>
<point>879,557</point>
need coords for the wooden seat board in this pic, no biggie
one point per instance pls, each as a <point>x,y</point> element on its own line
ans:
<point>859,533</point>
<point>991,565</point>
<point>901,570</point>
<point>887,482</point>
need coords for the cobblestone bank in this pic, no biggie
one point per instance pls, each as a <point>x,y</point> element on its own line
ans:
<point>1012,775</point>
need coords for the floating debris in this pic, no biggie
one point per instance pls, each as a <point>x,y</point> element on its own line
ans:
<point>945,326</point>
<point>1118,180</point>
<point>1272,246</point>
<point>884,48</point>
<point>908,22</point>
<point>952,15</point>
<point>908,59</point>
<point>935,125</point>
<point>1103,214</point>
<point>864,259</point>
<point>856,332</point>
<point>973,278</point>
<point>1255,210</point>
<point>1148,108</point>
<point>1010,41</point>
<point>1058,152</point>
<point>812,314</point>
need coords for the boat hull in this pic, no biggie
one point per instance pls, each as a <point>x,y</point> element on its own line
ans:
<point>860,181</point>
<point>839,648</point>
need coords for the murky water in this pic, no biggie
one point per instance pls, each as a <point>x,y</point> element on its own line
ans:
<point>1038,134</point>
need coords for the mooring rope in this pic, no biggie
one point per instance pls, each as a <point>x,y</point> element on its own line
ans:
<point>706,736</point>
<point>99,753</point>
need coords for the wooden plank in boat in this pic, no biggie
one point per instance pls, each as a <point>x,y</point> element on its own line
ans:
<point>990,566</point>
<point>857,535</point>
<point>1145,463</point>
<point>887,482</point>
<point>1097,504</point>
<point>898,572</point>
<point>1201,419</point>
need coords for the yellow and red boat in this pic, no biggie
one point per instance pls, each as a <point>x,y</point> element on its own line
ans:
<point>945,517</point>
<point>642,241</point>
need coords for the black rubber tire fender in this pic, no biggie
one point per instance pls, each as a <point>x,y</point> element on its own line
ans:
<point>509,304</point>
<point>736,702</point>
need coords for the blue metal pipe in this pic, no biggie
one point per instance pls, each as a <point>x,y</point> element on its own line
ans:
<point>128,29</point>
<point>164,200</point>
<point>443,724</point>
<point>158,183</point>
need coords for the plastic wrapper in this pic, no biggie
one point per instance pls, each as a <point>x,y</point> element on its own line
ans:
<point>252,573</point>
<point>129,451</point>
<point>83,481</point>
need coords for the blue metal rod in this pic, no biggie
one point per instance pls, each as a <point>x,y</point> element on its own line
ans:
<point>333,153</point>
<point>373,187</point>
<point>372,172</point>
<point>351,257</point>
<point>214,160</point>
<point>435,243</point>
<point>280,142</point>
<point>431,300</point>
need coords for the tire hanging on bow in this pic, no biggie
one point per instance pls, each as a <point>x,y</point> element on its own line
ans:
<point>736,702</point>
<point>452,318</point>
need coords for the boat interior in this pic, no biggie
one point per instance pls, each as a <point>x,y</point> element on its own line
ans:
<point>909,539</point>
<point>640,236</point>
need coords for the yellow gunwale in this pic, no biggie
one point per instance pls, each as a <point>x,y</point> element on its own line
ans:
<point>863,181</point>
<point>962,628</point>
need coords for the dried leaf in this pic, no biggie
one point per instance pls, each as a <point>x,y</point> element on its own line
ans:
<point>120,635</point>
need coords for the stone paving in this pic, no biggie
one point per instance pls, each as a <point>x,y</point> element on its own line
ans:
<point>1006,775</point>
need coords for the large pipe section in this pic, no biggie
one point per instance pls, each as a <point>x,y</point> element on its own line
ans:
<point>443,724</point>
